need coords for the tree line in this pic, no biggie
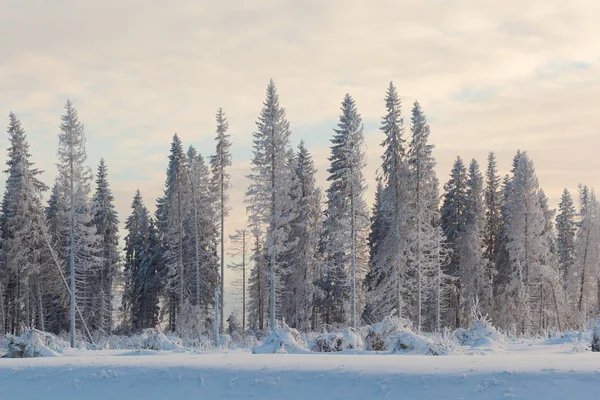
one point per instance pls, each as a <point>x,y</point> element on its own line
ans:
<point>308,258</point>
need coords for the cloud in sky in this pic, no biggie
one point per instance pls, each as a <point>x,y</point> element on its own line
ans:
<point>490,76</point>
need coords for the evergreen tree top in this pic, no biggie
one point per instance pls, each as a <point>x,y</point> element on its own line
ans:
<point>18,159</point>
<point>72,137</point>
<point>222,156</point>
<point>392,125</point>
<point>347,140</point>
<point>420,149</point>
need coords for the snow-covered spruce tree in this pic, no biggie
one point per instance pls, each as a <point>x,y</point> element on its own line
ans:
<point>136,242</point>
<point>75,229</point>
<point>57,297</point>
<point>141,269</point>
<point>389,223</point>
<point>202,230</point>
<point>258,281</point>
<point>301,255</point>
<point>527,250</point>
<point>472,272</point>
<point>437,284</point>
<point>549,303</point>
<point>584,282</point>
<point>170,214</point>
<point>375,304</point>
<point>24,254</point>
<point>106,221</point>
<point>501,268</point>
<point>423,217</point>
<point>219,163</point>
<point>493,219</point>
<point>268,194</point>
<point>454,225</point>
<point>240,244</point>
<point>346,220</point>
<point>566,229</point>
<point>151,274</point>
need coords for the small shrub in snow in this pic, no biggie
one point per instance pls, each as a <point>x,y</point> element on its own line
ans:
<point>345,339</point>
<point>153,339</point>
<point>410,342</point>
<point>377,334</point>
<point>283,340</point>
<point>444,341</point>
<point>33,343</point>
<point>482,329</point>
<point>396,335</point>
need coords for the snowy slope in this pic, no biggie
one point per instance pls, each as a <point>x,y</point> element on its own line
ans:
<point>524,371</point>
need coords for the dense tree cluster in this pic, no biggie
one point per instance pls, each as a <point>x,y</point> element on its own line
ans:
<point>310,259</point>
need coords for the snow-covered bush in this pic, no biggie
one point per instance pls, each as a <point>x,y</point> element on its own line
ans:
<point>153,339</point>
<point>479,330</point>
<point>33,343</point>
<point>376,335</point>
<point>569,336</point>
<point>482,329</point>
<point>444,341</point>
<point>396,335</point>
<point>283,340</point>
<point>345,339</point>
<point>411,342</point>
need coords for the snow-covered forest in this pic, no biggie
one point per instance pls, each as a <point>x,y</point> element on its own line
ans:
<point>430,249</point>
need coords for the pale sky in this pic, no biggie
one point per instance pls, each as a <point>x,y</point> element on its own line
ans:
<point>490,75</point>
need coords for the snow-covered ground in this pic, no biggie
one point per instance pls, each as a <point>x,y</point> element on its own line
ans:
<point>523,370</point>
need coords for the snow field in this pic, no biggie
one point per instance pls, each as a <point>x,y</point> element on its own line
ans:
<point>524,370</point>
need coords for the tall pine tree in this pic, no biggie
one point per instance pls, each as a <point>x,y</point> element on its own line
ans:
<point>170,214</point>
<point>219,163</point>
<point>388,259</point>
<point>346,220</point>
<point>268,193</point>
<point>423,237</point>
<point>24,254</point>
<point>106,222</point>
<point>566,229</point>
<point>76,233</point>
<point>301,255</point>
<point>454,225</point>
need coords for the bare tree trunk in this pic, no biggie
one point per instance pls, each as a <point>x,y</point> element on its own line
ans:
<point>582,289</point>
<point>180,255</point>
<point>556,308</point>
<point>72,254</point>
<point>353,255</point>
<point>216,324</point>
<point>2,311</point>
<point>260,304</point>
<point>222,184</point>
<point>40,308</point>
<point>272,244</point>
<point>57,263</point>
<point>541,307</point>
<point>244,281</point>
